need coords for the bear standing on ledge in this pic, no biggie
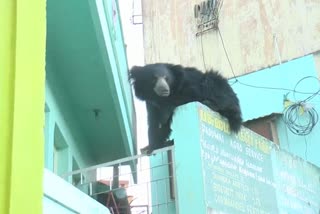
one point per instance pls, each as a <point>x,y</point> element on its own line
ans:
<point>165,86</point>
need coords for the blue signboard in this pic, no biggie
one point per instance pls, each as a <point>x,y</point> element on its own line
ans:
<point>247,173</point>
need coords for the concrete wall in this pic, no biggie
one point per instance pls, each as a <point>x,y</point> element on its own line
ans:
<point>256,34</point>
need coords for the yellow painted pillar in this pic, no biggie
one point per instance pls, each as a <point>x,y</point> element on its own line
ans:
<point>22,72</point>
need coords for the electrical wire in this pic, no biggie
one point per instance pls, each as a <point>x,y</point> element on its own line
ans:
<point>236,80</point>
<point>226,53</point>
<point>203,58</point>
<point>300,118</point>
<point>213,13</point>
<point>306,148</point>
<point>312,94</point>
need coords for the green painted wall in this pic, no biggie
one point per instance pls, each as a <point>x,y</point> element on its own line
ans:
<point>219,171</point>
<point>64,198</point>
<point>84,64</point>
<point>186,134</point>
<point>110,39</point>
<point>60,116</point>
<point>160,187</point>
<point>119,49</point>
<point>187,162</point>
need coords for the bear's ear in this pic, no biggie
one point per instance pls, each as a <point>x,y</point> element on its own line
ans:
<point>133,73</point>
<point>136,69</point>
<point>178,73</point>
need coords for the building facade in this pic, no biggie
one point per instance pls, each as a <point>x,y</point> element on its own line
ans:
<point>256,35</point>
<point>90,117</point>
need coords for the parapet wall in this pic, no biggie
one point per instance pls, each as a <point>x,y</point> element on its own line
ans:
<point>245,173</point>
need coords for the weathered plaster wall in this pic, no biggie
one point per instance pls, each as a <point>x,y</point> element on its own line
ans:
<point>257,34</point>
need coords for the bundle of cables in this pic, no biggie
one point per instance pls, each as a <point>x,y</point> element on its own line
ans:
<point>300,118</point>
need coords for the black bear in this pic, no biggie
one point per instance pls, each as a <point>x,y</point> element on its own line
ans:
<point>165,86</point>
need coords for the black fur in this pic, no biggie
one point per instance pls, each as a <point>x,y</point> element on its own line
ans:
<point>186,85</point>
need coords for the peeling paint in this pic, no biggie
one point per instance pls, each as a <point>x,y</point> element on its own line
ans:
<point>248,29</point>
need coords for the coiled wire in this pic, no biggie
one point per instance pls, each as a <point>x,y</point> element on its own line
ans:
<point>300,117</point>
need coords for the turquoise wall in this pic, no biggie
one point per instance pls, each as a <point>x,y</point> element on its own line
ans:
<point>259,102</point>
<point>65,198</point>
<point>190,186</point>
<point>59,119</point>
<point>229,173</point>
<point>189,193</point>
<point>70,99</point>
<point>120,59</point>
<point>161,201</point>
<point>118,47</point>
<point>106,17</point>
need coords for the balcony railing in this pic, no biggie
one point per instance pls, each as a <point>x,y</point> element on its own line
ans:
<point>147,187</point>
